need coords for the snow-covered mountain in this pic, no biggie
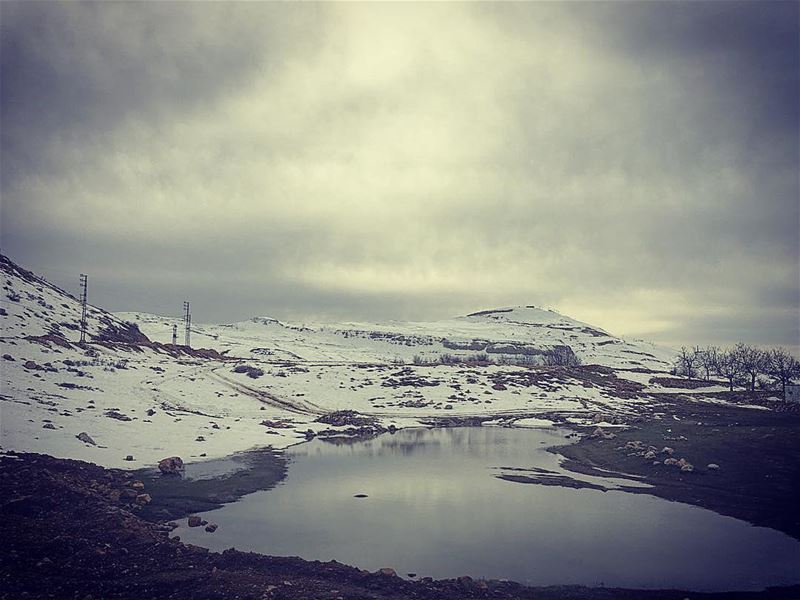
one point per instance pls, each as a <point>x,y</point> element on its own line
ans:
<point>524,335</point>
<point>266,382</point>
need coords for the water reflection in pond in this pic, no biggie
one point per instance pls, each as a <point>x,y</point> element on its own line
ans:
<point>435,507</point>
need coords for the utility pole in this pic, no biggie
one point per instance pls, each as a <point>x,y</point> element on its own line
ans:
<point>84,295</point>
<point>174,334</point>
<point>187,321</point>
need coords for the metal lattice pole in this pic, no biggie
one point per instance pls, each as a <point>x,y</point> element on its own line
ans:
<point>84,296</point>
<point>187,321</point>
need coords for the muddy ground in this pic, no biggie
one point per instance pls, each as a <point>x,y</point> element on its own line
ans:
<point>175,497</point>
<point>757,452</point>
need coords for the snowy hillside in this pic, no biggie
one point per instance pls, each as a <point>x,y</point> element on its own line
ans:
<point>129,395</point>
<point>33,307</point>
<point>265,382</point>
<point>505,336</point>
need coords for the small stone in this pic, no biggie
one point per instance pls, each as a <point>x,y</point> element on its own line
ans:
<point>129,458</point>
<point>128,494</point>
<point>194,521</point>
<point>211,527</point>
<point>86,438</point>
<point>387,572</point>
<point>602,434</point>
<point>170,465</point>
<point>360,496</point>
<point>137,485</point>
<point>143,499</point>
<point>713,466</point>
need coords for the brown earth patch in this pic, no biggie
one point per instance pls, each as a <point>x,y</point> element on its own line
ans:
<point>758,452</point>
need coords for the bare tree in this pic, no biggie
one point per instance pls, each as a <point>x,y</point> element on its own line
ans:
<point>728,367</point>
<point>685,362</point>
<point>783,368</point>
<point>752,361</point>
<point>707,360</point>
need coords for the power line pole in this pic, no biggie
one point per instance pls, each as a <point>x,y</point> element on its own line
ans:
<point>187,321</point>
<point>84,295</point>
<point>174,334</point>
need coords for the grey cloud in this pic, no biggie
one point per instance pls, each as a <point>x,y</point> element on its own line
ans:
<point>755,326</point>
<point>633,163</point>
<point>75,69</point>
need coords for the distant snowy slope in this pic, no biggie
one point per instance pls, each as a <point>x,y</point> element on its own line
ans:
<point>504,335</point>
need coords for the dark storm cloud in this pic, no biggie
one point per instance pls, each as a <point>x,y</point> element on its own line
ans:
<point>730,43</point>
<point>632,164</point>
<point>75,69</point>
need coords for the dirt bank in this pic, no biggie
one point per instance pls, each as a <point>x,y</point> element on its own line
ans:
<point>70,529</point>
<point>208,485</point>
<point>757,452</point>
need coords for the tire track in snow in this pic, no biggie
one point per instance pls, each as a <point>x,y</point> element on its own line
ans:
<point>294,406</point>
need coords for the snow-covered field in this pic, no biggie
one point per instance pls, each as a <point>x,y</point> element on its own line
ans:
<point>151,399</point>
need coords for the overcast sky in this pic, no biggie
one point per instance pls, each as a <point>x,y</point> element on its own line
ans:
<point>633,165</point>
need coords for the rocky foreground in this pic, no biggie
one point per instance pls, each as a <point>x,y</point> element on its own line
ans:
<point>70,529</point>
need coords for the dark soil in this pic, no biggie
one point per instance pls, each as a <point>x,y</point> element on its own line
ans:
<point>686,384</point>
<point>758,453</point>
<point>72,530</point>
<point>174,496</point>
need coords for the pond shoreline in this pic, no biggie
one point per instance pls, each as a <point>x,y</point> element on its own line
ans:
<point>178,496</point>
<point>70,529</point>
<point>756,452</point>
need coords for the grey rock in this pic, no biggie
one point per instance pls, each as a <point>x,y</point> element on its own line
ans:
<point>86,438</point>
